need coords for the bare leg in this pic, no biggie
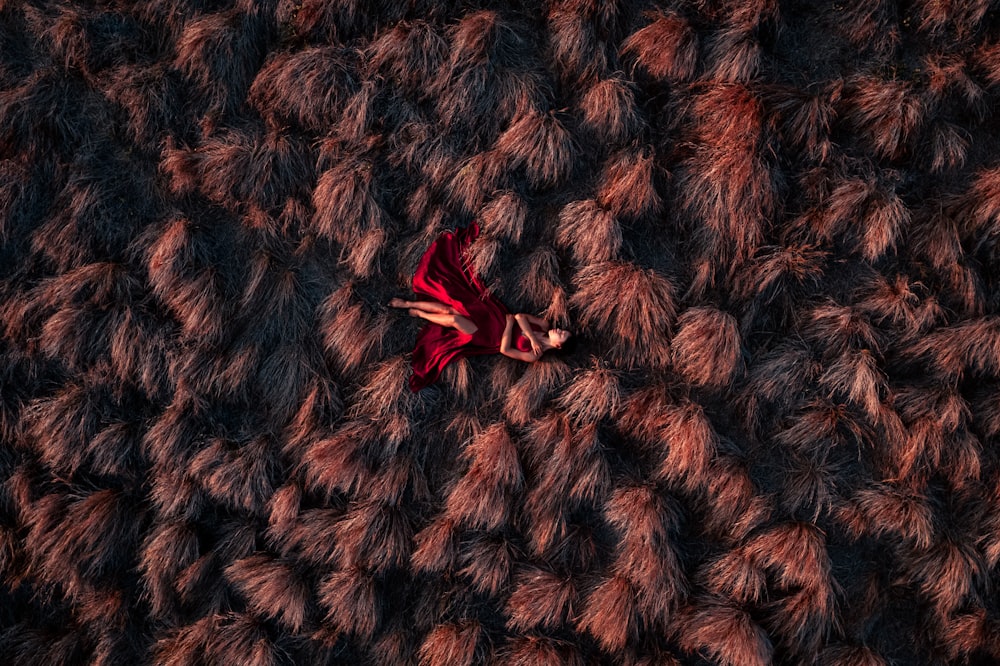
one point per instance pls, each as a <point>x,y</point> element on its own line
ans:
<point>426,306</point>
<point>463,324</point>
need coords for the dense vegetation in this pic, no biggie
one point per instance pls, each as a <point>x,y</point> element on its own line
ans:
<point>773,224</point>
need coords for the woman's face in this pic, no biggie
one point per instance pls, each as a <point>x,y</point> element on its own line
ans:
<point>558,336</point>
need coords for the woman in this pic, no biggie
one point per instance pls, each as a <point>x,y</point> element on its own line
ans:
<point>464,318</point>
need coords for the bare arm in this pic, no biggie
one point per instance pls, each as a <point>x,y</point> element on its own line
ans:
<point>525,321</point>
<point>509,350</point>
<point>537,321</point>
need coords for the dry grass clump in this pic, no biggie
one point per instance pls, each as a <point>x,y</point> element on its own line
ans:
<point>589,231</point>
<point>540,144</point>
<point>706,349</point>
<point>728,186</point>
<point>726,633</point>
<point>887,111</point>
<point>609,109</point>
<point>220,53</point>
<point>633,307</point>
<point>483,496</point>
<point>627,185</point>
<point>309,87</point>
<point>666,48</point>
<point>410,54</point>
<point>451,644</point>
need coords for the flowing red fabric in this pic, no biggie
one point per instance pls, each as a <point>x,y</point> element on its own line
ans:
<point>444,275</point>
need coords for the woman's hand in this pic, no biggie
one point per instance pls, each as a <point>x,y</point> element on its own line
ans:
<point>524,321</point>
<point>507,347</point>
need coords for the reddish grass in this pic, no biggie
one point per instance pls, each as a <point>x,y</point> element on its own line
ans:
<point>542,651</point>
<point>726,633</point>
<point>435,547</point>
<point>609,614</point>
<point>735,576</point>
<point>881,509</point>
<point>706,349</point>
<point>735,55</point>
<point>272,589</point>
<point>591,396</point>
<point>728,186</point>
<point>505,217</point>
<point>540,144</point>
<point>374,536</point>
<point>576,48</point>
<point>487,563</point>
<point>540,600</point>
<point>609,109</point>
<point>963,18</point>
<point>629,305</point>
<point>410,54</point>
<point>887,111</point>
<point>589,231</point>
<point>771,227</point>
<point>987,61</point>
<point>352,602</point>
<point>627,184</point>
<point>691,443</point>
<point>308,87</point>
<point>483,496</point>
<point>449,644</point>
<point>666,48</point>
<point>946,574</point>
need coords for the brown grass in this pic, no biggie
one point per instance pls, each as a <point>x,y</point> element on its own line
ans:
<point>609,614</point>
<point>706,349</point>
<point>542,651</point>
<point>947,574</point>
<point>881,509</point>
<point>591,396</point>
<point>887,111</point>
<point>771,226</point>
<point>352,602</point>
<point>627,184</point>
<point>845,655</point>
<point>691,444</point>
<point>589,231</point>
<point>308,87</point>
<point>540,600</point>
<point>987,61</point>
<point>483,496</point>
<point>487,562</point>
<point>726,633</point>
<point>272,589</point>
<point>630,306</point>
<point>410,54</point>
<point>666,47</point>
<point>540,144</point>
<point>451,644</point>
<point>435,547</point>
<point>373,535</point>
<point>609,109</point>
<point>735,55</point>
<point>735,576</point>
<point>504,217</point>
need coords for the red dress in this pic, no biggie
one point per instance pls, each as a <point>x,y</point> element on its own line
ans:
<point>444,275</point>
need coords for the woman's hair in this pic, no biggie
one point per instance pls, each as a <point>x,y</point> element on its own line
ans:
<point>568,347</point>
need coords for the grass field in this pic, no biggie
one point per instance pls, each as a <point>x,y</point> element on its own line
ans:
<point>772,224</point>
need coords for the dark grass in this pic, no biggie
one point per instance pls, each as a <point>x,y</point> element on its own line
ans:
<point>773,227</point>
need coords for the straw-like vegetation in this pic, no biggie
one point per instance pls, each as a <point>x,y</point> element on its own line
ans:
<point>774,228</point>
